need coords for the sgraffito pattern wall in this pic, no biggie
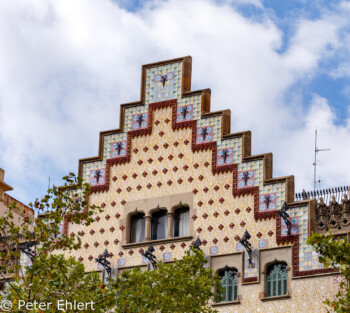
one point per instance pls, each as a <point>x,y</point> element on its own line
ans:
<point>168,144</point>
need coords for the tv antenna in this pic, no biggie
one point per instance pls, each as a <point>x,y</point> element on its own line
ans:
<point>317,150</point>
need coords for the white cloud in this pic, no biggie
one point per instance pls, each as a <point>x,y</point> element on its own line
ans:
<point>67,65</point>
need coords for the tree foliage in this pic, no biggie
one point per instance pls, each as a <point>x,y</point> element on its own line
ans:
<point>335,252</point>
<point>187,285</point>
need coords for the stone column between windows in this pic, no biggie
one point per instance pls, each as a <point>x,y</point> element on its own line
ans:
<point>170,225</point>
<point>147,228</point>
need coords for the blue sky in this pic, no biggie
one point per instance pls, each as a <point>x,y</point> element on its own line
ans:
<point>66,66</point>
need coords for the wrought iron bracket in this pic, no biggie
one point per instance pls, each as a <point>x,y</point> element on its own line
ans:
<point>102,259</point>
<point>247,245</point>
<point>148,254</point>
<point>285,216</point>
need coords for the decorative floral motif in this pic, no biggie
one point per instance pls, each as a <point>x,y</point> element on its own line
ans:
<point>224,156</point>
<point>246,179</point>
<point>118,149</point>
<point>139,121</point>
<point>204,134</point>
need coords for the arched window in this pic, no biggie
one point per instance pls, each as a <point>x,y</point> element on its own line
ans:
<point>276,280</point>
<point>159,225</point>
<point>137,227</point>
<point>229,282</point>
<point>181,221</point>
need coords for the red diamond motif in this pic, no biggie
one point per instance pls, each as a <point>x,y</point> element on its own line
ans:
<point>97,218</point>
<point>216,213</point>
<point>216,188</point>
<point>121,253</point>
<point>169,182</point>
<point>199,230</point>
<point>221,227</point>
<point>86,246</point>
<point>161,133</point>
<point>161,248</point>
<point>117,215</point>
<point>139,162</point>
<point>183,245</point>
<point>128,189</point>
<point>180,155</point>
<point>215,241</point>
<point>149,185</point>
<point>172,246</point>
<point>159,184</point>
<point>200,203</point>
<point>134,175</point>
<point>270,233</point>
<point>160,159</point>
<point>259,234</point>
<point>221,200</point>
<point>175,169</point>
<point>237,211</point>
<point>145,148</point>
<point>139,187</point>
<point>157,122</point>
<point>72,234</point>
<point>80,259</point>
<point>231,225</point>
<point>237,238</point>
<point>131,252</point>
<point>113,203</point>
<point>144,174</point>
<point>155,147</point>
<point>226,239</point>
<point>81,233</point>
<point>165,170</point>
<point>141,251</point>
<point>176,143</point>
<point>106,243</point>
<point>248,209</point>
<point>204,242</point>
<point>125,177</point>
<point>195,165</point>
<point>179,181</point>
<point>135,150</point>
<point>123,202</point>
<point>186,142</point>
<point>194,217</point>
<point>112,229</point>
<point>122,227</point>
<point>205,215</point>
<point>206,164</point>
<point>167,121</point>
<point>210,228</point>
<point>150,160</point>
<point>114,178</point>
<point>185,167</point>
<point>227,186</point>
<point>205,189</point>
<point>227,212</point>
<point>116,241</point>
<point>96,244</point>
<point>107,217</point>
<point>195,191</point>
<point>170,157</point>
<point>155,172</point>
<point>90,257</point>
<point>200,177</point>
<point>103,205</point>
<point>166,146</point>
<point>190,179</point>
<point>119,190</point>
<point>211,201</point>
<point>242,223</point>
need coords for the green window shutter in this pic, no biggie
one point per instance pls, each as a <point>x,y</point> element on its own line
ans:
<point>229,283</point>
<point>276,280</point>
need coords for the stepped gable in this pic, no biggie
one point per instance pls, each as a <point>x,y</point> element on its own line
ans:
<point>167,86</point>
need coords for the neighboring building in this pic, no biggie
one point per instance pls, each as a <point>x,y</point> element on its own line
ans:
<point>5,201</point>
<point>172,172</point>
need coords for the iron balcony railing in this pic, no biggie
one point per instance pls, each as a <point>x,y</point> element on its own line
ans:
<point>325,194</point>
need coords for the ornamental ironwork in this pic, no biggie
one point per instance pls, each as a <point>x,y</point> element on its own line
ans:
<point>247,245</point>
<point>285,216</point>
<point>148,254</point>
<point>102,259</point>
